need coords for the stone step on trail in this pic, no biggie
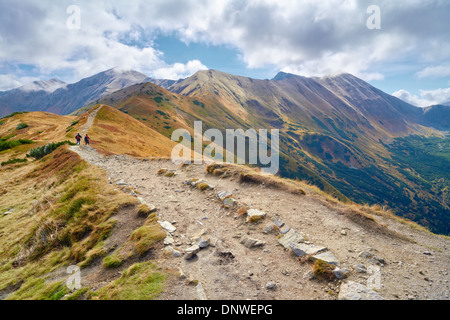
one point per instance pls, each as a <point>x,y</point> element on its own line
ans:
<point>254,215</point>
<point>327,256</point>
<point>292,237</point>
<point>303,249</point>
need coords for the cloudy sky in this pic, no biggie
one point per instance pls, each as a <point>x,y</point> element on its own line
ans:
<point>404,50</point>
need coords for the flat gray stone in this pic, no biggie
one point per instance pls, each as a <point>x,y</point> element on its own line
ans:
<point>268,229</point>
<point>302,249</point>
<point>167,226</point>
<point>251,243</point>
<point>172,251</point>
<point>278,223</point>
<point>284,229</point>
<point>191,251</point>
<point>203,242</point>
<point>355,291</point>
<point>327,257</point>
<point>360,268</point>
<point>201,292</point>
<point>291,237</point>
<point>341,273</point>
<point>121,182</point>
<point>168,241</point>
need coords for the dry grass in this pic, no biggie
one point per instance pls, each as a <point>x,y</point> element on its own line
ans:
<point>63,212</point>
<point>42,126</point>
<point>145,237</point>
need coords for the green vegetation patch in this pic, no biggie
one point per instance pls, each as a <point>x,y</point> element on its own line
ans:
<point>13,161</point>
<point>9,144</point>
<point>158,99</point>
<point>112,261</point>
<point>13,114</point>
<point>21,126</point>
<point>141,281</point>
<point>41,152</point>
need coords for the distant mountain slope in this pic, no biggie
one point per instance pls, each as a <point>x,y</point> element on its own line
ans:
<point>32,94</point>
<point>438,116</point>
<point>304,98</point>
<point>57,97</point>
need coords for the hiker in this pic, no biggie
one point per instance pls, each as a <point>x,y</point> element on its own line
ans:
<point>78,137</point>
<point>86,139</point>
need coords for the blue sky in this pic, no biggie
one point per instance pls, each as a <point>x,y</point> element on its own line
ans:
<point>403,48</point>
<point>219,57</point>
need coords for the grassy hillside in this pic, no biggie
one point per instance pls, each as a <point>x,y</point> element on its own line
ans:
<point>114,132</point>
<point>60,211</point>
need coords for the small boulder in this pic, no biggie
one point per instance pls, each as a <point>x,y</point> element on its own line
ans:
<point>341,273</point>
<point>195,182</point>
<point>167,226</point>
<point>191,251</point>
<point>252,243</point>
<point>271,286</point>
<point>121,182</point>
<point>303,249</point>
<point>291,237</point>
<point>254,215</point>
<point>222,195</point>
<point>284,229</point>
<point>172,251</point>
<point>360,268</point>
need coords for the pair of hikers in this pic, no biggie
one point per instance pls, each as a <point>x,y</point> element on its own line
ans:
<point>86,139</point>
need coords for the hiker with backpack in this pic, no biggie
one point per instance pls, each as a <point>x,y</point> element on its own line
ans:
<point>86,139</point>
<point>78,137</point>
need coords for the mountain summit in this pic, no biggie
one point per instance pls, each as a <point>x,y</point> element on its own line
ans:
<point>46,85</point>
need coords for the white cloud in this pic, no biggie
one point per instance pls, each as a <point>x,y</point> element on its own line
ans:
<point>426,97</point>
<point>434,72</point>
<point>9,81</point>
<point>411,98</point>
<point>308,37</point>
<point>179,70</point>
<point>38,36</point>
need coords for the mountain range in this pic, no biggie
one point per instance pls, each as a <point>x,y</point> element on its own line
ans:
<point>339,133</point>
<point>61,98</point>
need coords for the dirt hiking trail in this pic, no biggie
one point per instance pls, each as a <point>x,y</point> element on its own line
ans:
<point>230,268</point>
